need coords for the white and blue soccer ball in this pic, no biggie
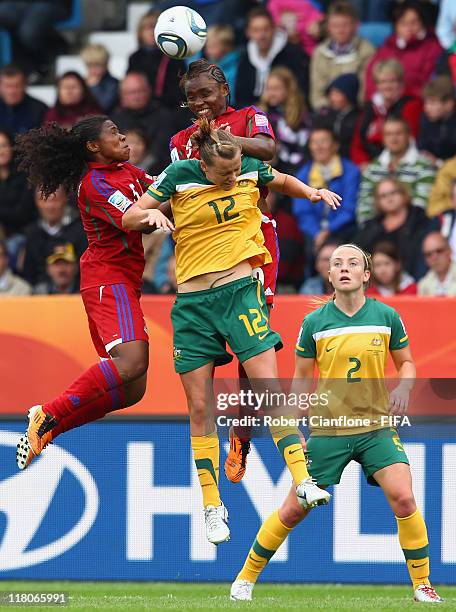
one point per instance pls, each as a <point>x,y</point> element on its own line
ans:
<point>180,32</point>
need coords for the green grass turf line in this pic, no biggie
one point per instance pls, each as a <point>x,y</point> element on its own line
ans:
<point>214,596</point>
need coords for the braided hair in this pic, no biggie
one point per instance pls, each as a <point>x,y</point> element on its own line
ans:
<point>54,157</point>
<point>202,66</point>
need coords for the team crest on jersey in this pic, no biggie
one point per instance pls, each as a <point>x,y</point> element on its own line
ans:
<point>376,342</point>
<point>176,353</point>
<point>119,201</point>
<point>243,183</point>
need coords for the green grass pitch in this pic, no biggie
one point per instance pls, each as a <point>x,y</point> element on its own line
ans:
<point>190,596</point>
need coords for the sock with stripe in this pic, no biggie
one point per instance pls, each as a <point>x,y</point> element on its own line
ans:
<point>288,442</point>
<point>414,542</point>
<point>101,381</point>
<point>92,411</point>
<point>271,535</point>
<point>206,454</point>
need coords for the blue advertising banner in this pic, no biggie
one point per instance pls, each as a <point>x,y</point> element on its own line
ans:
<point>121,501</point>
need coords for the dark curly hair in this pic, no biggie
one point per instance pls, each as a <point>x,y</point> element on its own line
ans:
<point>54,157</point>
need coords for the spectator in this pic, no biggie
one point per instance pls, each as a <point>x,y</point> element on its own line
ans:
<point>17,208</point>
<point>284,104</point>
<point>31,25</point>
<point>400,158</point>
<point>10,284</point>
<point>267,47</point>
<point>327,170</point>
<point>437,136</point>
<point>220,49</point>
<point>388,278</point>
<point>138,110</point>
<point>341,52</point>
<point>440,198</point>
<point>446,23</point>
<point>390,100</point>
<point>19,112</point>
<point>416,47</point>
<point>398,221</point>
<point>300,18</point>
<point>139,149</point>
<point>161,71</point>
<point>103,86</point>
<point>447,220</point>
<point>56,225</point>
<point>292,245</point>
<point>62,271</point>
<point>319,284</point>
<point>74,101</point>
<point>342,111</point>
<point>446,66</point>
<point>441,278</point>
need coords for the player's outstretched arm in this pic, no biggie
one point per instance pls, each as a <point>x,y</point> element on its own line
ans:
<point>293,187</point>
<point>144,214</point>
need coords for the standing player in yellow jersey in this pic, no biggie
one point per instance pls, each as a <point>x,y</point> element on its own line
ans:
<point>218,242</point>
<point>348,339</point>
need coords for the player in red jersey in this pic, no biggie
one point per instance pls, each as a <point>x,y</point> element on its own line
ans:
<point>207,95</point>
<point>94,155</point>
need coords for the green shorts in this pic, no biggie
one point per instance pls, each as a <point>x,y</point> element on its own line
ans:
<point>328,456</point>
<point>204,321</point>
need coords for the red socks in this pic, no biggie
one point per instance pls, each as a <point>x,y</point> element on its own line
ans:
<point>113,400</point>
<point>100,385</point>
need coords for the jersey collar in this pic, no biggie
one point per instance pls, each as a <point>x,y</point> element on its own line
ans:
<point>229,109</point>
<point>357,313</point>
<point>112,166</point>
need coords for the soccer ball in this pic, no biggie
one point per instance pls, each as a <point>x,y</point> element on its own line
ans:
<point>180,32</point>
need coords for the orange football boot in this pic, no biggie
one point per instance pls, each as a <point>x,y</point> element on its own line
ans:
<point>235,464</point>
<point>36,438</point>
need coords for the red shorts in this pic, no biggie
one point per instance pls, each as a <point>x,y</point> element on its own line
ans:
<point>114,315</point>
<point>267,274</point>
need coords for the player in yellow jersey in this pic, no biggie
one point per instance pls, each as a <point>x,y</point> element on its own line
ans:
<point>218,243</point>
<point>348,340</point>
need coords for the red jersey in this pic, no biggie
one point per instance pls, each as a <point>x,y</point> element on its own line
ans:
<point>247,122</point>
<point>114,254</point>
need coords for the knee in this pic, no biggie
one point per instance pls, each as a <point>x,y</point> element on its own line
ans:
<point>135,393</point>
<point>197,407</point>
<point>133,367</point>
<point>291,513</point>
<point>403,504</point>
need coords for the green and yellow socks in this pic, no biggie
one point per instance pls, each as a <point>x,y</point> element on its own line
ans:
<point>206,453</point>
<point>414,542</point>
<point>288,442</point>
<point>271,535</point>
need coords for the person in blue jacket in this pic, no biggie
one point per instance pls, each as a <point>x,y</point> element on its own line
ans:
<point>327,170</point>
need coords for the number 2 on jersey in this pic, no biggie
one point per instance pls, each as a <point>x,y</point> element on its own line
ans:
<point>351,371</point>
<point>226,216</point>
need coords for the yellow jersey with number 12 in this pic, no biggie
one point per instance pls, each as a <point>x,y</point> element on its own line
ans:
<point>215,229</point>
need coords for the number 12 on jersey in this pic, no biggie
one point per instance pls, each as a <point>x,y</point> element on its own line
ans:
<point>224,215</point>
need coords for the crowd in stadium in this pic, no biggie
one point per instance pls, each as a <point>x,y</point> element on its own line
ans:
<point>372,118</point>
